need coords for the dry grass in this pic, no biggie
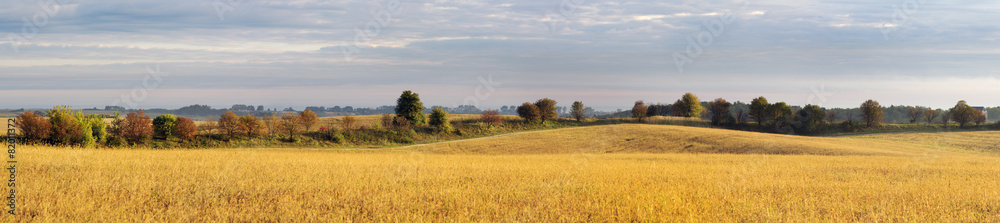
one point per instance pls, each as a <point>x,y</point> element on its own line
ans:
<point>915,182</point>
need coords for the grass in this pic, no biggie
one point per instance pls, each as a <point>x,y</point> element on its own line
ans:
<point>649,175</point>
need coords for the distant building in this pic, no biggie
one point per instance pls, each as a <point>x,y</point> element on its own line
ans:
<point>982,109</point>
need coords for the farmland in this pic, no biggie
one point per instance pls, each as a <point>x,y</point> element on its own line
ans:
<point>628,172</point>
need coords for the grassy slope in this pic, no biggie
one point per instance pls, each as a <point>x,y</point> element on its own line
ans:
<point>638,138</point>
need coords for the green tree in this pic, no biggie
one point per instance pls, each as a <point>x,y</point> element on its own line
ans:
<point>529,112</point>
<point>578,110</point>
<point>65,127</point>
<point>781,113</point>
<point>871,113</point>
<point>962,113</point>
<point>409,106</point>
<point>164,125</point>
<point>760,110</point>
<point>439,120</point>
<point>86,137</point>
<point>690,106</point>
<point>546,109</point>
<point>639,110</point>
<point>810,117</point>
<point>719,109</point>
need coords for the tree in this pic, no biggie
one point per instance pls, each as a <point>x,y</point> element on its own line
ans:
<point>308,119</point>
<point>229,124</point>
<point>271,121</point>
<point>639,110</point>
<point>810,117</point>
<point>781,113</point>
<point>99,128</point>
<point>962,113</point>
<point>164,125</point>
<point>290,124</point>
<point>546,109</point>
<point>741,116</point>
<point>529,112</point>
<point>930,115</point>
<point>719,109</point>
<point>491,117</point>
<point>690,106</point>
<point>387,121</point>
<point>137,128</point>
<point>439,120</point>
<point>65,127</point>
<point>759,110</point>
<point>831,116</point>
<point>210,125</point>
<point>978,117</point>
<point>409,106</point>
<point>34,128</point>
<point>946,116</point>
<point>578,110</point>
<point>86,137</point>
<point>250,126</point>
<point>186,129</point>
<point>914,113</point>
<point>871,113</point>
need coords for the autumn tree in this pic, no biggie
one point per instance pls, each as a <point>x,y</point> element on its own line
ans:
<point>229,124</point>
<point>689,106</point>
<point>308,119</point>
<point>250,126</point>
<point>529,112</point>
<point>578,111</point>
<point>546,109</point>
<point>137,128</point>
<point>409,106</point>
<point>719,109</point>
<point>34,128</point>
<point>759,110</point>
<point>639,110</point>
<point>271,121</point>
<point>290,124</point>
<point>978,117</point>
<point>962,113</point>
<point>491,117</point>
<point>164,125</point>
<point>209,125</point>
<point>439,120</point>
<point>186,129</point>
<point>930,115</point>
<point>871,113</point>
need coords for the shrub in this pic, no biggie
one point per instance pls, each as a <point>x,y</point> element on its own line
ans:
<point>529,112</point>
<point>65,127</point>
<point>348,123</point>
<point>491,117</point>
<point>34,128</point>
<point>186,128</point>
<point>401,123</point>
<point>164,125</point>
<point>439,120</point>
<point>331,134</point>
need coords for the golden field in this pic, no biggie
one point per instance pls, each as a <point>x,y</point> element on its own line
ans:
<point>629,172</point>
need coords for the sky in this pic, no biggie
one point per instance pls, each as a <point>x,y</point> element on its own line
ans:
<point>608,54</point>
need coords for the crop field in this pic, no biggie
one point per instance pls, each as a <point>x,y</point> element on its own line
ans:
<point>626,172</point>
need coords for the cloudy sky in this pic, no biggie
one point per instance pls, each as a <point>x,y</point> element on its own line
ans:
<point>151,54</point>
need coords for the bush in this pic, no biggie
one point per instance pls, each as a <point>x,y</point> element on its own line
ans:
<point>186,128</point>
<point>529,112</point>
<point>401,123</point>
<point>348,123</point>
<point>65,127</point>
<point>330,134</point>
<point>491,117</point>
<point>34,128</point>
<point>439,120</point>
<point>164,126</point>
